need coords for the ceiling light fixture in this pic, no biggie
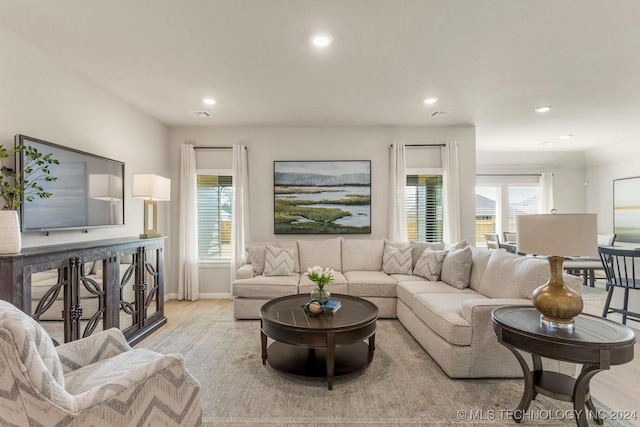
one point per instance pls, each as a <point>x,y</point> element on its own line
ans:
<point>548,143</point>
<point>567,136</point>
<point>321,40</point>
<point>209,101</point>
<point>543,109</point>
<point>430,101</point>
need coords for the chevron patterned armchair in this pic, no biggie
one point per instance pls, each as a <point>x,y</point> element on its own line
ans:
<point>96,381</point>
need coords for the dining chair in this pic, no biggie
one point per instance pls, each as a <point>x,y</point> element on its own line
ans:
<point>620,268</point>
<point>606,239</point>
<point>493,241</point>
<point>509,236</point>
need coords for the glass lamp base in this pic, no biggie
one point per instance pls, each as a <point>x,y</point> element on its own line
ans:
<point>554,324</point>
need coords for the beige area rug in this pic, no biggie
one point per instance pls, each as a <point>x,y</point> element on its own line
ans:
<point>403,385</point>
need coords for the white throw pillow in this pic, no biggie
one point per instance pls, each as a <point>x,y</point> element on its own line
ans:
<point>419,247</point>
<point>429,264</point>
<point>455,246</point>
<point>397,260</point>
<point>278,261</point>
<point>456,268</point>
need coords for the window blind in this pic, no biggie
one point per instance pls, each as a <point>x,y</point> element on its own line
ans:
<point>214,193</point>
<point>522,201</point>
<point>423,195</point>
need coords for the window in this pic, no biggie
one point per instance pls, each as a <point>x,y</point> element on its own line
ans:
<point>423,195</point>
<point>214,216</point>
<point>498,203</point>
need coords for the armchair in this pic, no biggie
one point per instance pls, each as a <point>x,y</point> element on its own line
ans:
<point>98,380</point>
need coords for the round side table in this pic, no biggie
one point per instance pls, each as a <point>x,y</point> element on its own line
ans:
<point>596,343</point>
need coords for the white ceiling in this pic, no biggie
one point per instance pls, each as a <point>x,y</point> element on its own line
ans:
<point>489,61</point>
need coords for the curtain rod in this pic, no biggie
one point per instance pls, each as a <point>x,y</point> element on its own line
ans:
<point>508,174</point>
<point>214,147</point>
<point>423,145</point>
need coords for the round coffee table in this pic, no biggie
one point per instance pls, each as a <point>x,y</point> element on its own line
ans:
<point>328,345</point>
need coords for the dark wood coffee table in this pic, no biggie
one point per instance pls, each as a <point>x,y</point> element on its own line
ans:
<point>596,343</point>
<point>327,345</point>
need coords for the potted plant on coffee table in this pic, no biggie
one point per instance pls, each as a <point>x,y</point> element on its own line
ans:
<point>16,186</point>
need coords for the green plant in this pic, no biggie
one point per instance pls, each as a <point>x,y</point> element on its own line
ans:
<point>15,186</point>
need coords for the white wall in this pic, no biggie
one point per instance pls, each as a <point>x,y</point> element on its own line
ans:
<point>568,170</point>
<point>267,144</point>
<point>41,98</point>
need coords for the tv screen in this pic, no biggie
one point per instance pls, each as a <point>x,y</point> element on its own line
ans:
<point>88,192</point>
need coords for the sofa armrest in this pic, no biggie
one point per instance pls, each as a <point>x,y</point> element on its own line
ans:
<point>102,345</point>
<point>245,272</point>
<point>480,309</point>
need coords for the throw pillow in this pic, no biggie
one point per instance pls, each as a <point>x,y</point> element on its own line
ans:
<point>456,268</point>
<point>456,246</point>
<point>278,261</point>
<point>397,260</point>
<point>256,257</point>
<point>419,247</point>
<point>429,265</point>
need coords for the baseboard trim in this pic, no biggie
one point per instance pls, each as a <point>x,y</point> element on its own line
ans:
<point>212,295</point>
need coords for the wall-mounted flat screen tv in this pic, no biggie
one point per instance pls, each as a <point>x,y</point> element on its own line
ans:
<point>626,209</point>
<point>88,191</point>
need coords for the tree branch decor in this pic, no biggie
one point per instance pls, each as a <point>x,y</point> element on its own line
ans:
<point>14,186</point>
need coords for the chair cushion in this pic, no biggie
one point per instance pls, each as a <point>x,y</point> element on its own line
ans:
<point>513,276</point>
<point>443,314</point>
<point>325,253</point>
<point>370,284</point>
<point>266,286</point>
<point>397,260</point>
<point>362,254</point>
<point>278,261</point>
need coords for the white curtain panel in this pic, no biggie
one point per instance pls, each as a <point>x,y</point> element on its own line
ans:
<point>451,196</point>
<point>188,275</point>
<point>397,211</point>
<point>240,225</point>
<point>546,192</point>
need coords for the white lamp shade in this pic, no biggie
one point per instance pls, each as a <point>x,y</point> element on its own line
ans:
<point>557,234</point>
<point>103,186</point>
<point>151,187</point>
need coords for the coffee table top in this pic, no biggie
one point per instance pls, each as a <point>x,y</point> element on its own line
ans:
<point>288,312</point>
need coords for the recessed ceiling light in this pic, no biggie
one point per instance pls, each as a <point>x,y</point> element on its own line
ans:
<point>321,40</point>
<point>548,143</point>
<point>430,101</point>
<point>567,136</point>
<point>209,101</point>
<point>543,109</point>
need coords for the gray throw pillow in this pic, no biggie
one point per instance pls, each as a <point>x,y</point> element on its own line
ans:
<point>397,260</point>
<point>429,265</point>
<point>456,268</point>
<point>455,246</point>
<point>278,261</point>
<point>419,247</point>
<point>256,257</point>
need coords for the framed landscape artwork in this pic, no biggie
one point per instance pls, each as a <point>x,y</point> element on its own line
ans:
<point>626,209</point>
<point>322,197</point>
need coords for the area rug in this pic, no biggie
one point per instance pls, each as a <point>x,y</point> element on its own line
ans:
<point>402,386</point>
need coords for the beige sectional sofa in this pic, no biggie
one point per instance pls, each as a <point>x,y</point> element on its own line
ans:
<point>447,307</point>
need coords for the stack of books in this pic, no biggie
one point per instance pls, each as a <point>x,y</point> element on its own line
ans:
<point>332,306</point>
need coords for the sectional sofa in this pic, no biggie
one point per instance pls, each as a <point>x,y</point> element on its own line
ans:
<point>442,294</point>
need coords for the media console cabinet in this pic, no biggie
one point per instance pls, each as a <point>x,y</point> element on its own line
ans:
<point>76,289</point>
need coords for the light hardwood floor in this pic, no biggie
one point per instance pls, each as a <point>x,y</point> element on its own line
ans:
<point>616,388</point>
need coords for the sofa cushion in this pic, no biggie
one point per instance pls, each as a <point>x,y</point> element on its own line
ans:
<point>456,267</point>
<point>443,314</point>
<point>419,247</point>
<point>325,253</point>
<point>266,286</point>
<point>370,284</point>
<point>480,258</point>
<point>513,276</point>
<point>429,265</point>
<point>278,261</point>
<point>407,278</point>
<point>362,255</point>
<point>397,260</point>
<point>338,285</point>
<point>293,245</point>
<point>408,289</point>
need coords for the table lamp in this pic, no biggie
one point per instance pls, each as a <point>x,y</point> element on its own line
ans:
<point>152,188</point>
<point>558,236</point>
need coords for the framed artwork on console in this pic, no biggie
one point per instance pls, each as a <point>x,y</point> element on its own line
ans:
<point>626,209</point>
<point>322,197</point>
